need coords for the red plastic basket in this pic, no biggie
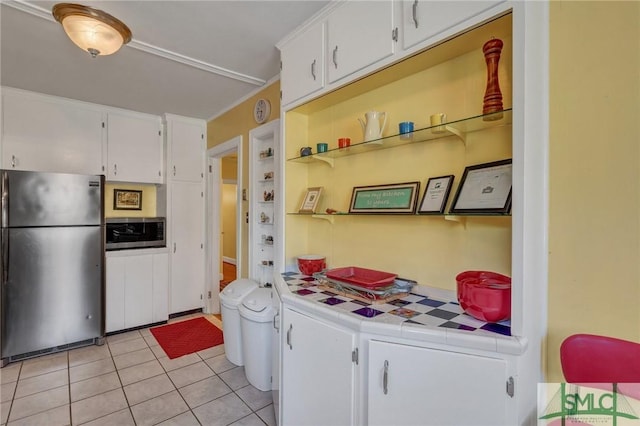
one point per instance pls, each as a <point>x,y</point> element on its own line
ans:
<point>368,278</point>
<point>485,295</point>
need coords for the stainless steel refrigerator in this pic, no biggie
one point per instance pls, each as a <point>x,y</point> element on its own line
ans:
<point>52,262</point>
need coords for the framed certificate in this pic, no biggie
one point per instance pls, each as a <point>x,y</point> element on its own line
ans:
<point>310,201</point>
<point>436,195</point>
<point>484,189</point>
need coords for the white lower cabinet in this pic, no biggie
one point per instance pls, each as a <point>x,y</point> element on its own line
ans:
<point>136,290</point>
<point>318,376</point>
<point>410,385</point>
<point>138,286</point>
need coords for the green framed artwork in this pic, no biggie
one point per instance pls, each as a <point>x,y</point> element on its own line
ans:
<point>394,198</point>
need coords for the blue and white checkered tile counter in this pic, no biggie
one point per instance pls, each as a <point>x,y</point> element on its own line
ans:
<point>411,309</point>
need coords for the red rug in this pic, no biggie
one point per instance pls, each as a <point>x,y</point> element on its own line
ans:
<point>185,337</point>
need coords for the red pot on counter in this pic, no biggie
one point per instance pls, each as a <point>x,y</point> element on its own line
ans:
<point>485,295</point>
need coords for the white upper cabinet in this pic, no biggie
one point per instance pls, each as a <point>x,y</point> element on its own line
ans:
<point>187,145</point>
<point>48,134</point>
<point>359,33</point>
<point>422,19</point>
<point>134,148</point>
<point>303,64</point>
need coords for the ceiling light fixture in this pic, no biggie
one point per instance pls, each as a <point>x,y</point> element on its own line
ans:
<point>91,29</point>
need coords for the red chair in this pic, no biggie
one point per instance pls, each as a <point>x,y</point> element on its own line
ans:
<point>587,358</point>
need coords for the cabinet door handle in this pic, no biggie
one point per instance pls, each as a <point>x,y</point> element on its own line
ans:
<point>394,34</point>
<point>115,169</point>
<point>174,170</point>
<point>275,324</point>
<point>385,378</point>
<point>415,13</point>
<point>174,247</point>
<point>13,161</point>
<point>289,336</point>
<point>335,57</point>
<point>313,69</point>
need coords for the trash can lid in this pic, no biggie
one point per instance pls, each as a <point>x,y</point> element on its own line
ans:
<point>258,306</point>
<point>234,292</point>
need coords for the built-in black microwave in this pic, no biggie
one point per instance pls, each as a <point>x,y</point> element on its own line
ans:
<point>135,232</point>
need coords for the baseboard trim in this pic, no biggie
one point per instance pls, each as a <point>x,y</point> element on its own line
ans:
<point>230,260</point>
<point>181,314</point>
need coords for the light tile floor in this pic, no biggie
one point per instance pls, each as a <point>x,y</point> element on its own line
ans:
<point>130,381</point>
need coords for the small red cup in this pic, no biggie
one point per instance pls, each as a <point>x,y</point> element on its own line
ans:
<point>344,142</point>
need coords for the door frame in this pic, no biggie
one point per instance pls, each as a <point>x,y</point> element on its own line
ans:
<point>214,216</point>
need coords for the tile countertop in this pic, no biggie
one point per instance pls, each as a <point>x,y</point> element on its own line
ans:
<point>426,314</point>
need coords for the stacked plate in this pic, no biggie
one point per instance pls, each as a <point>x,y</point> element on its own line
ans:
<point>367,281</point>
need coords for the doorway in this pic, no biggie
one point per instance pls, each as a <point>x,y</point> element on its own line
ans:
<point>224,172</point>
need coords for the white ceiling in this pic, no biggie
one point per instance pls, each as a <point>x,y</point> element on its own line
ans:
<point>192,58</point>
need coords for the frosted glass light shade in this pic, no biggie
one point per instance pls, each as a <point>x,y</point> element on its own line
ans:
<point>87,34</point>
<point>92,30</point>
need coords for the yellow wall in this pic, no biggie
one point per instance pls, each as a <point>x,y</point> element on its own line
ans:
<point>229,220</point>
<point>428,249</point>
<point>239,121</point>
<point>594,217</point>
<point>148,200</point>
<point>229,172</point>
<point>229,166</point>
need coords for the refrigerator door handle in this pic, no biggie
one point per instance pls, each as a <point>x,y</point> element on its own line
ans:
<point>4,224</point>
<point>5,256</point>
<point>4,199</point>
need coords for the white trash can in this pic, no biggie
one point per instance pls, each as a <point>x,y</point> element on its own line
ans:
<point>230,299</point>
<point>256,320</point>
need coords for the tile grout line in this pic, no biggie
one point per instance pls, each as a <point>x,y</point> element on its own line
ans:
<point>121,385</point>
<point>69,387</point>
<point>109,355</point>
<point>15,390</point>
<point>120,380</point>
<point>174,385</point>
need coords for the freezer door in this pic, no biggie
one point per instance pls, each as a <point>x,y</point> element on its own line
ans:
<point>52,287</point>
<point>50,199</point>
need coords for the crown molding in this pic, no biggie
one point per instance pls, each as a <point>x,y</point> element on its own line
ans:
<point>245,97</point>
<point>45,14</point>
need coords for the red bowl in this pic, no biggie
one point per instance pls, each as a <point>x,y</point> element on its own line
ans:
<point>309,264</point>
<point>485,295</point>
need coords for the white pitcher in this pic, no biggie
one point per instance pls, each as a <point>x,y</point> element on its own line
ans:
<point>372,129</point>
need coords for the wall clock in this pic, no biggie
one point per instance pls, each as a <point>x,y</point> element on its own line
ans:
<point>261,110</point>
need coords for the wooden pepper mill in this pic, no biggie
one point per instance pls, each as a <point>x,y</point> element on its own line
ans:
<point>492,96</point>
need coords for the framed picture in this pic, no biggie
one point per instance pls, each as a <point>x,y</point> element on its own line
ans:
<point>310,201</point>
<point>127,199</point>
<point>391,199</point>
<point>436,195</point>
<point>484,188</point>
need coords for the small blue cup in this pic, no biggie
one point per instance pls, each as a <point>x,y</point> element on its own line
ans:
<point>405,128</point>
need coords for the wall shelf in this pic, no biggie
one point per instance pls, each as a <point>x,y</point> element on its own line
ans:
<point>458,128</point>
<point>461,218</point>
